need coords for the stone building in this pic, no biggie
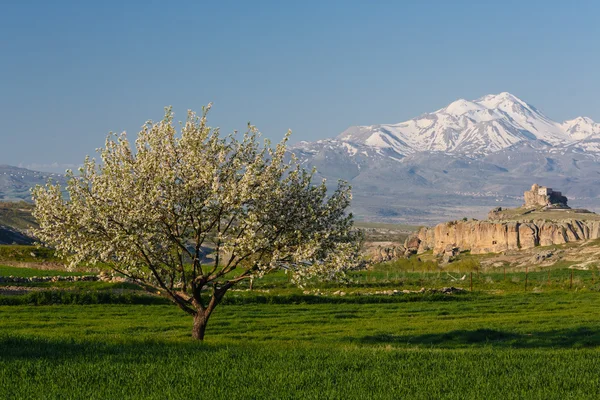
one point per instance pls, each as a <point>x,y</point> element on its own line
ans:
<point>542,196</point>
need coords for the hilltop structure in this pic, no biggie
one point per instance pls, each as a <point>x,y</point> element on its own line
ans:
<point>542,196</point>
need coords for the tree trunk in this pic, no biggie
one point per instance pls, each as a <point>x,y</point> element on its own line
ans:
<point>203,313</point>
<point>200,322</point>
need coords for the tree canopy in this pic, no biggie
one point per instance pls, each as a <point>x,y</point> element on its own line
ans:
<point>192,213</point>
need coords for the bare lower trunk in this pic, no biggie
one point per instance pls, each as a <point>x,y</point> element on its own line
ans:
<point>203,313</point>
<point>200,322</point>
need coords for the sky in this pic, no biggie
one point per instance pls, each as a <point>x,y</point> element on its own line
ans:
<point>70,72</point>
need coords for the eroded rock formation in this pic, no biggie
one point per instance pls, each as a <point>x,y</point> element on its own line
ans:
<point>494,237</point>
<point>388,253</point>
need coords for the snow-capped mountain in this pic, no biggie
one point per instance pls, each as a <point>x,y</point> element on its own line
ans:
<point>581,128</point>
<point>483,126</point>
<point>468,154</point>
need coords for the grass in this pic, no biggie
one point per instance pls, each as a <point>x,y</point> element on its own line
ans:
<point>153,370</point>
<point>33,254</point>
<point>98,340</point>
<point>510,346</point>
<point>80,297</point>
<point>29,272</point>
<point>525,320</point>
<point>526,214</point>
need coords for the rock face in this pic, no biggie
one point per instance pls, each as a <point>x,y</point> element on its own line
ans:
<point>390,253</point>
<point>412,244</point>
<point>494,237</point>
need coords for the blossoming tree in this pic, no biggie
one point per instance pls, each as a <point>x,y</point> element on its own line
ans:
<point>193,213</point>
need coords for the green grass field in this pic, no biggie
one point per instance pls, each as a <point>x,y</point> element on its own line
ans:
<point>517,345</point>
<point>29,272</point>
<point>503,340</point>
<point>510,346</point>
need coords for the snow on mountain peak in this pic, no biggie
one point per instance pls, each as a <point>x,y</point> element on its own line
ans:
<point>471,127</point>
<point>495,100</point>
<point>579,121</point>
<point>465,151</point>
<point>581,128</point>
<point>461,107</point>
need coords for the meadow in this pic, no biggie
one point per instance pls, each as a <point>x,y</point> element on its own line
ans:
<point>501,340</point>
<point>511,346</point>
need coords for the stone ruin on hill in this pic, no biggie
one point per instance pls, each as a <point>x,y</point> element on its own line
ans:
<point>538,198</point>
<point>541,196</point>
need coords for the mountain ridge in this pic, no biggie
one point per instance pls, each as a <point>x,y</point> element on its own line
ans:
<point>16,182</point>
<point>481,154</point>
<point>481,126</point>
<point>460,160</point>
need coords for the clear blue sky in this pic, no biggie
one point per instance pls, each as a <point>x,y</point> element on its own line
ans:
<point>73,71</point>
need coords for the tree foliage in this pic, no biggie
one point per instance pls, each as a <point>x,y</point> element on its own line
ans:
<point>192,213</point>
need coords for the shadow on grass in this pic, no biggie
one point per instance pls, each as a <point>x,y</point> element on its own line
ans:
<point>81,297</point>
<point>351,299</point>
<point>19,347</point>
<point>563,338</point>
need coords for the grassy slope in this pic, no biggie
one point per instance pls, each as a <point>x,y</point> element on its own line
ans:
<point>28,255</point>
<point>525,214</point>
<point>17,215</point>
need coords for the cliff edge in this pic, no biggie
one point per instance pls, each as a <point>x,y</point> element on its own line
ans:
<point>545,219</point>
<point>494,237</point>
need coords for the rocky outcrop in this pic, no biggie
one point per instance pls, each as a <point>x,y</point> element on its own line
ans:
<point>388,253</point>
<point>450,254</point>
<point>494,237</point>
<point>411,244</point>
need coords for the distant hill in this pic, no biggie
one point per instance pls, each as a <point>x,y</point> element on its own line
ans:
<point>16,183</point>
<point>12,236</point>
<point>15,201</point>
